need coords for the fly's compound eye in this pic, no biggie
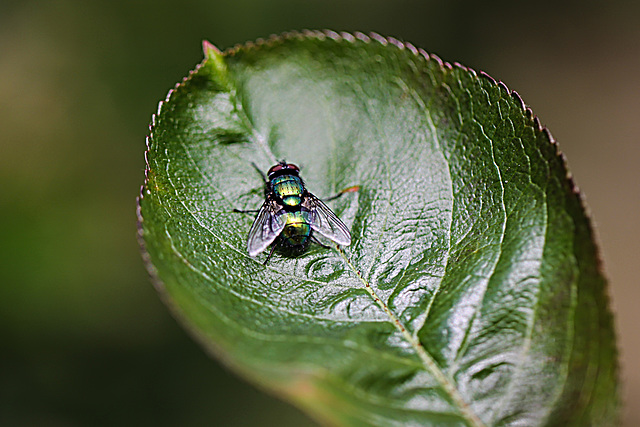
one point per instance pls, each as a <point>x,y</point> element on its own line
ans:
<point>283,166</point>
<point>274,169</point>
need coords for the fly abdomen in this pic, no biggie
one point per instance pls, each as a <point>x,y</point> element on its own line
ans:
<point>297,229</point>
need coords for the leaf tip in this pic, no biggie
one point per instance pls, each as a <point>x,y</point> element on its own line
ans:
<point>210,50</point>
<point>215,58</point>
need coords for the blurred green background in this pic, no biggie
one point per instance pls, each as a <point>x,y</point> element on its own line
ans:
<point>85,339</point>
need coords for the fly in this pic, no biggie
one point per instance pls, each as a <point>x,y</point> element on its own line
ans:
<point>290,214</point>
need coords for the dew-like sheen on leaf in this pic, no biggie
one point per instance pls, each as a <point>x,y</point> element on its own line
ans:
<point>471,293</point>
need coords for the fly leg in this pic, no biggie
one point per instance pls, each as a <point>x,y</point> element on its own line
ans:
<point>264,177</point>
<point>248,211</point>
<point>351,189</point>
<point>273,248</point>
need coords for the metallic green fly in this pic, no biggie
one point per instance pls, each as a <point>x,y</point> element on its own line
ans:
<point>290,214</point>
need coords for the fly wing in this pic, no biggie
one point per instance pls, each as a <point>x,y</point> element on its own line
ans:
<point>266,227</point>
<point>325,222</point>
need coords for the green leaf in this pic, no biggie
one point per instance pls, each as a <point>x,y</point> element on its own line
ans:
<point>471,293</point>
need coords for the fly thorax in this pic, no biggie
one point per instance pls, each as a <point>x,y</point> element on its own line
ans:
<point>289,189</point>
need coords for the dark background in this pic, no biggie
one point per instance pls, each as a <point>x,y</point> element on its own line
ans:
<point>85,339</point>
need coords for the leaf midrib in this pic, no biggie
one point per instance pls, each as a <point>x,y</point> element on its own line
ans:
<point>426,359</point>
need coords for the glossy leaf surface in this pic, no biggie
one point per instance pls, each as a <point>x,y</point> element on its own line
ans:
<point>471,293</point>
